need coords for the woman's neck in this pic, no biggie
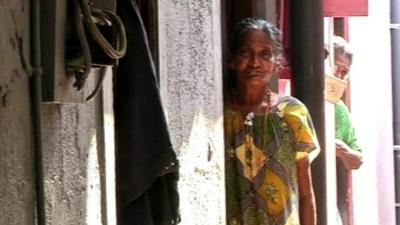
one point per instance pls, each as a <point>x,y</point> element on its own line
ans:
<point>252,95</point>
<point>253,100</point>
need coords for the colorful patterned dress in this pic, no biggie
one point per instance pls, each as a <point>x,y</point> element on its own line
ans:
<point>260,154</point>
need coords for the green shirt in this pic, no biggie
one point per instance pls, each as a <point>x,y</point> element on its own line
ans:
<point>344,128</point>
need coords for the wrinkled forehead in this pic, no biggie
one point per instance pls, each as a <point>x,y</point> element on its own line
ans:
<point>259,36</point>
<point>255,36</point>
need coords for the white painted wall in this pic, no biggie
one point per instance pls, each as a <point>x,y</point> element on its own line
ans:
<point>371,100</point>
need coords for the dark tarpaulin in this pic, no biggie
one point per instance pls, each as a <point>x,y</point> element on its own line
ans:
<point>146,165</point>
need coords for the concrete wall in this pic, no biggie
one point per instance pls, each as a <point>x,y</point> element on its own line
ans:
<point>73,143</point>
<point>16,158</point>
<point>69,138</point>
<point>191,89</point>
<point>371,100</point>
<point>73,133</point>
<point>78,151</point>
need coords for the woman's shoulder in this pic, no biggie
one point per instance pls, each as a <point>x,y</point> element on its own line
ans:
<point>289,105</point>
<point>289,101</point>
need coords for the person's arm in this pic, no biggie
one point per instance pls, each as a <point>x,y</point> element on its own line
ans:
<point>307,148</point>
<point>347,149</point>
<point>350,158</point>
<point>307,208</point>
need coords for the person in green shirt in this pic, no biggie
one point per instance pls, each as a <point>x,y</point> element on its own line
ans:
<point>348,153</point>
<point>347,149</point>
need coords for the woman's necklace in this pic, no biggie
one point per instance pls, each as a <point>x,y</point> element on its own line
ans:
<point>268,99</point>
<point>250,149</point>
<point>249,117</point>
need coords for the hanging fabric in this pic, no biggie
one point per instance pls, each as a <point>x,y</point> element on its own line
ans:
<point>146,165</point>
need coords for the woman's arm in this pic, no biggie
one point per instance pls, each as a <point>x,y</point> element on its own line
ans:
<point>307,206</point>
<point>351,159</point>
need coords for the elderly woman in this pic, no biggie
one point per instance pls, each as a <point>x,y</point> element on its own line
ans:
<point>269,139</point>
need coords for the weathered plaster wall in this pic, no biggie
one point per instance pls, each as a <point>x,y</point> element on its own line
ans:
<point>192,93</point>
<point>78,145</point>
<point>70,143</point>
<point>16,158</point>
<point>69,138</point>
<point>191,89</point>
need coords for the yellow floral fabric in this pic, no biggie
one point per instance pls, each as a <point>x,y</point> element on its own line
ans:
<point>260,155</point>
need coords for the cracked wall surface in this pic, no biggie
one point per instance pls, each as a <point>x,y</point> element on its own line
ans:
<point>191,80</point>
<point>69,137</point>
<point>16,167</point>
<point>70,144</point>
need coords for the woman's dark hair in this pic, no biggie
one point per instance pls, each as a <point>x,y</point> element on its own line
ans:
<point>247,24</point>
<point>240,30</point>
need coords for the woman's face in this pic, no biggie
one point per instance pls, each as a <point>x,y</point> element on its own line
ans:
<point>342,66</point>
<point>254,62</point>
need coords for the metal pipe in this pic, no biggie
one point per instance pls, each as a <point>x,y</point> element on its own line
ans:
<point>395,41</point>
<point>306,46</point>
<point>395,36</point>
<point>36,100</point>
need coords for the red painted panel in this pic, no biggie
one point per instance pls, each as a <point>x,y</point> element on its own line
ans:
<point>342,8</point>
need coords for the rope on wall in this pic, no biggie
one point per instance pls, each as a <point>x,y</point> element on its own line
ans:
<point>85,15</point>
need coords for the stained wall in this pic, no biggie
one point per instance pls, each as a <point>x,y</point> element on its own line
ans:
<point>191,89</point>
